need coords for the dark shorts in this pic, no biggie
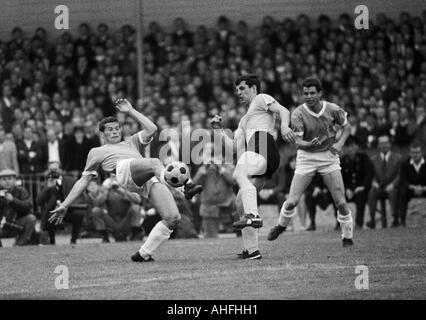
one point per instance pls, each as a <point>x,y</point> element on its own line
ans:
<point>263,143</point>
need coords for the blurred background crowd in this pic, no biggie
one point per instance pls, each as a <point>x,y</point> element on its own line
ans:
<point>54,91</point>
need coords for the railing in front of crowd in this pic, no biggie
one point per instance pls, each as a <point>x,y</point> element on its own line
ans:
<point>33,183</point>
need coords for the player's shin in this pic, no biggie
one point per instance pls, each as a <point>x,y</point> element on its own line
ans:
<point>249,199</point>
<point>250,239</point>
<point>346,223</point>
<point>285,215</point>
<point>158,235</point>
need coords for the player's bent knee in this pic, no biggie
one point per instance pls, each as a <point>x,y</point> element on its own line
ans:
<point>173,221</point>
<point>291,203</point>
<point>343,208</point>
<point>156,165</point>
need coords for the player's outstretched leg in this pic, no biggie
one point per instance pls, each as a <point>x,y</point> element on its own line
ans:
<point>334,183</point>
<point>144,169</point>
<point>163,201</point>
<point>298,186</point>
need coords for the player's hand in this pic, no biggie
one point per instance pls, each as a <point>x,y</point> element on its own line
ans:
<point>359,189</point>
<point>336,148</point>
<point>216,122</point>
<point>389,188</point>
<point>315,141</point>
<point>349,194</point>
<point>418,191</point>
<point>375,185</point>
<point>288,134</point>
<point>58,215</point>
<point>123,105</point>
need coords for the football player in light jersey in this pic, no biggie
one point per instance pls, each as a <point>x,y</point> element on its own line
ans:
<point>133,172</point>
<point>258,156</point>
<point>315,124</point>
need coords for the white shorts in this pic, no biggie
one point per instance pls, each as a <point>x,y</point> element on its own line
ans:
<point>124,178</point>
<point>324,162</point>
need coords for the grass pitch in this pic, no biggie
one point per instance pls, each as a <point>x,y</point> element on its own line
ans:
<point>298,265</point>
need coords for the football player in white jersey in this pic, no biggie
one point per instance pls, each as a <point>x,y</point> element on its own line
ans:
<point>258,156</point>
<point>133,172</point>
<point>315,124</point>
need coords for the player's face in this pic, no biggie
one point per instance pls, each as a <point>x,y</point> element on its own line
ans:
<point>312,96</point>
<point>112,132</point>
<point>245,93</point>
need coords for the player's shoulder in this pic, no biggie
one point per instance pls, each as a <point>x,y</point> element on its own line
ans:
<point>331,106</point>
<point>97,150</point>
<point>264,98</point>
<point>299,109</point>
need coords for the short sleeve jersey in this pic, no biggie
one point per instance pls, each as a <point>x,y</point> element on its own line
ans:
<point>108,155</point>
<point>324,125</point>
<point>259,117</point>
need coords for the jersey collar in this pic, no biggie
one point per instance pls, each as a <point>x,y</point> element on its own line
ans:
<point>317,115</point>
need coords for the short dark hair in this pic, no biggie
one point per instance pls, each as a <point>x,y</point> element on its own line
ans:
<point>104,121</point>
<point>78,128</point>
<point>352,140</point>
<point>312,82</point>
<point>250,79</point>
<point>415,145</point>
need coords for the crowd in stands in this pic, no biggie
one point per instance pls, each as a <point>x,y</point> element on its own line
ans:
<point>55,90</point>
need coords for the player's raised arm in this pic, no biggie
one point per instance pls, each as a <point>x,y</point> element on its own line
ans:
<point>149,129</point>
<point>216,123</point>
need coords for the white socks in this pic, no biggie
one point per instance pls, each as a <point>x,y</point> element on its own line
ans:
<point>249,199</point>
<point>158,235</point>
<point>285,216</point>
<point>250,239</point>
<point>346,223</point>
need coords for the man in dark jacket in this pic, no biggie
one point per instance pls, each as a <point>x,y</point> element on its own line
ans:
<point>386,168</point>
<point>357,172</point>
<point>58,187</point>
<point>15,210</point>
<point>412,181</point>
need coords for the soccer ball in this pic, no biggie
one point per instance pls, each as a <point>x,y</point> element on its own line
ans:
<point>176,174</point>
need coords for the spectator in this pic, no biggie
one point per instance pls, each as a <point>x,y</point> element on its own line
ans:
<point>32,155</point>
<point>15,210</point>
<point>116,209</point>
<point>77,151</point>
<point>8,153</point>
<point>386,167</point>
<point>54,148</point>
<point>57,188</point>
<point>412,182</point>
<point>6,107</point>
<point>357,172</point>
<point>218,197</point>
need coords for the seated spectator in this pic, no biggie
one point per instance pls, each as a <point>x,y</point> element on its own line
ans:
<point>357,174</point>
<point>113,208</point>
<point>317,194</point>
<point>57,188</point>
<point>16,215</point>
<point>386,167</point>
<point>412,183</point>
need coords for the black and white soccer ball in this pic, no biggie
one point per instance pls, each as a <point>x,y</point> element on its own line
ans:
<point>176,174</point>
